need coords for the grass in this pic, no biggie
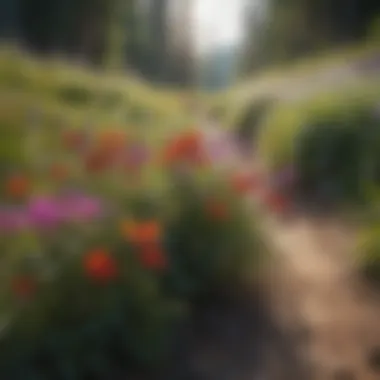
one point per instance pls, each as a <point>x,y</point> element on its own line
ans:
<point>78,90</point>
<point>236,99</point>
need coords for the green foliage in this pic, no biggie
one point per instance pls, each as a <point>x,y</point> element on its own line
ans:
<point>368,249</point>
<point>76,95</point>
<point>208,250</point>
<point>248,125</point>
<point>332,140</point>
<point>288,30</point>
<point>337,151</point>
<point>71,324</point>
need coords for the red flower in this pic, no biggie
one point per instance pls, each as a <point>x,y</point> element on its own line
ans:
<point>152,257</point>
<point>100,265</point>
<point>17,186</point>
<point>97,161</point>
<point>244,183</point>
<point>141,233</point>
<point>216,210</point>
<point>185,148</point>
<point>24,287</point>
<point>112,142</point>
<point>74,139</point>
<point>276,202</point>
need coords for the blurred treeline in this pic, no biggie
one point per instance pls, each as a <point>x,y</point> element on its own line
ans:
<point>140,35</point>
<point>278,31</point>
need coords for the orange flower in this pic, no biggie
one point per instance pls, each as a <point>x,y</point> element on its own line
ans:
<point>186,147</point>
<point>241,183</point>
<point>140,233</point>
<point>100,265</point>
<point>152,257</point>
<point>97,161</point>
<point>112,141</point>
<point>24,287</point>
<point>17,186</point>
<point>217,210</point>
<point>59,172</point>
<point>244,183</point>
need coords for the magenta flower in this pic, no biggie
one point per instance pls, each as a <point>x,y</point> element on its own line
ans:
<point>49,212</point>
<point>81,208</point>
<point>45,212</point>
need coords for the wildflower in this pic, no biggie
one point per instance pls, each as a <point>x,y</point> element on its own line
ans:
<point>219,147</point>
<point>185,148</point>
<point>152,257</point>
<point>243,183</point>
<point>80,207</point>
<point>111,141</point>
<point>136,156</point>
<point>276,202</point>
<point>97,160</point>
<point>59,172</point>
<point>140,233</point>
<point>23,287</point>
<point>100,265</point>
<point>74,139</point>
<point>45,212</point>
<point>216,210</point>
<point>17,186</point>
<point>285,178</point>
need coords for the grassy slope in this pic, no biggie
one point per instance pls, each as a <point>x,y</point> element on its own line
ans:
<point>235,100</point>
<point>31,81</point>
<point>285,121</point>
<point>32,88</point>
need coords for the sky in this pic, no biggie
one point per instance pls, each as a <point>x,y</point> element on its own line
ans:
<point>217,22</point>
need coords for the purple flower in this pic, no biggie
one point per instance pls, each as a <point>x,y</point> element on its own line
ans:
<point>137,155</point>
<point>284,178</point>
<point>81,208</point>
<point>49,212</point>
<point>45,212</point>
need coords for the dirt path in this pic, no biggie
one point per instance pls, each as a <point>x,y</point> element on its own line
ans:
<point>318,280</point>
<point>316,294</point>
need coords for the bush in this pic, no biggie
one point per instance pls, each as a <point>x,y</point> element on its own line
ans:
<point>332,142</point>
<point>333,156</point>
<point>105,246</point>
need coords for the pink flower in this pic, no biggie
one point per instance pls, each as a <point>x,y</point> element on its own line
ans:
<point>136,156</point>
<point>81,208</point>
<point>49,212</point>
<point>45,212</point>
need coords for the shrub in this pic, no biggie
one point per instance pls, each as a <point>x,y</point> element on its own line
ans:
<point>331,141</point>
<point>335,154</point>
<point>101,263</point>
